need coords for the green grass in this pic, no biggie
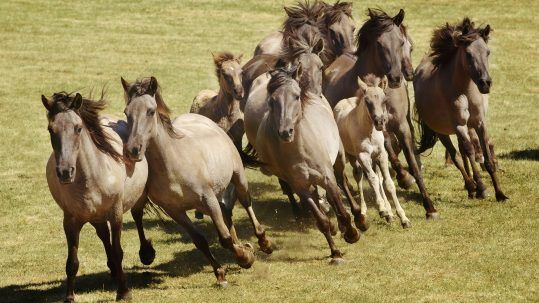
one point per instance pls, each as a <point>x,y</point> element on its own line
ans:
<point>482,251</point>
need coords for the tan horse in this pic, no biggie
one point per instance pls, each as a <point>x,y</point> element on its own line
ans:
<point>383,49</point>
<point>91,183</point>
<point>361,121</point>
<point>190,161</point>
<point>298,141</point>
<point>451,87</point>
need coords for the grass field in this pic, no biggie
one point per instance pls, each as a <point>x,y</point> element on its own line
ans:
<point>481,251</point>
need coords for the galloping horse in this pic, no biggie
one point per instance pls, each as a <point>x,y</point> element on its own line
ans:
<point>89,180</point>
<point>190,162</point>
<point>383,49</point>
<point>451,86</point>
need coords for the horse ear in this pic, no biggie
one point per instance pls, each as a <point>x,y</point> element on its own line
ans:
<point>125,85</point>
<point>399,18</point>
<point>485,32</point>
<point>362,85</point>
<point>298,72</point>
<point>288,11</point>
<point>77,101</point>
<point>318,47</point>
<point>46,102</point>
<point>152,87</point>
<point>383,83</point>
<point>238,58</point>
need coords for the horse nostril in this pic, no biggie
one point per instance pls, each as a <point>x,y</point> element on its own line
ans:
<point>135,151</point>
<point>489,82</point>
<point>71,171</point>
<point>291,131</point>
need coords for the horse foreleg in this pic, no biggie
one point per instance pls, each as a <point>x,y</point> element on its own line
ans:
<point>358,176</point>
<point>103,232</point>
<point>116,232</point>
<point>72,229</point>
<point>489,162</point>
<point>366,165</point>
<point>287,190</point>
<point>390,216</point>
<point>458,161</point>
<point>342,182</point>
<point>404,179</point>
<point>390,187</point>
<point>351,235</point>
<point>464,138</point>
<point>146,252</point>
<point>405,137</point>
<point>464,157</point>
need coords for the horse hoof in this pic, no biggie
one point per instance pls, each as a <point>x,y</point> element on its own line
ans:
<point>337,261</point>
<point>500,197</point>
<point>124,296</point>
<point>362,224</point>
<point>266,245</point>
<point>147,253</point>
<point>199,215</point>
<point>248,258</point>
<point>383,214</point>
<point>481,193</point>
<point>390,219</point>
<point>221,284</point>
<point>351,235</point>
<point>406,224</point>
<point>249,246</point>
<point>406,181</point>
<point>433,216</point>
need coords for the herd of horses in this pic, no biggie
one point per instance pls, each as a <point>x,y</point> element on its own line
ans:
<point>309,101</point>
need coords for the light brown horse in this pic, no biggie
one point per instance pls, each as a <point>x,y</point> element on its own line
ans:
<point>90,182</point>
<point>297,140</point>
<point>191,161</point>
<point>451,87</point>
<point>383,50</point>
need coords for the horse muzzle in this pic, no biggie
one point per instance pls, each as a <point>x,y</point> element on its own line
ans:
<point>134,153</point>
<point>287,135</point>
<point>66,175</point>
<point>484,85</point>
<point>394,81</point>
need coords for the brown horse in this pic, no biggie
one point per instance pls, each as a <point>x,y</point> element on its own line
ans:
<point>451,87</point>
<point>90,182</point>
<point>383,49</point>
<point>297,140</point>
<point>191,161</point>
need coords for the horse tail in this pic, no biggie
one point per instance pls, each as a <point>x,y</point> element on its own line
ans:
<point>249,157</point>
<point>154,209</point>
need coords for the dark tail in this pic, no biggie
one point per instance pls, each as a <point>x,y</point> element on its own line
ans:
<point>154,209</point>
<point>249,157</point>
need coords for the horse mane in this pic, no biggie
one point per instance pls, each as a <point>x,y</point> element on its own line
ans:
<point>334,13</point>
<point>379,22</point>
<point>299,41</point>
<point>222,57</point>
<point>141,87</point>
<point>371,80</point>
<point>89,114</point>
<point>446,39</point>
<point>302,13</point>
<point>283,75</point>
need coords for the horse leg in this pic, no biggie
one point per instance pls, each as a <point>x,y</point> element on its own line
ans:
<point>116,232</point>
<point>244,254</point>
<point>366,165</point>
<point>464,157</point>
<point>464,138</point>
<point>390,217</point>
<point>322,222</point>
<point>406,139</point>
<point>448,160</point>
<point>285,187</point>
<point>103,232</point>
<point>358,176</point>
<point>489,163</point>
<point>458,161</point>
<point>324,207</point>
<point>72,229</point>
<point>350,233</point>
<point>146,252</point>
<point>241,189</point>
<point>342,182</point>
<point>390,187</point>
<point>404,179</point>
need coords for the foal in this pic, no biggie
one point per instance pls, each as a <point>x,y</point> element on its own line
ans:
<point>361,121</point>
<point>190,162</point>
<point>89,181</point>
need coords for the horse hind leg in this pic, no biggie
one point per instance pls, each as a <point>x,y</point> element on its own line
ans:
<point>242,192</point>
<point>146,252</point>
<point>404,179</point>
<point>342,182</point>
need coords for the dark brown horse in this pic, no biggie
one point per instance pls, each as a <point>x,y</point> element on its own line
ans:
<point>383,49</point>
<point>337,29</point>
<point>451,87</point>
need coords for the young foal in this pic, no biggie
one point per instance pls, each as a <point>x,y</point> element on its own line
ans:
<point>298,141</point>
<point>361,121</point>
<point>190,161</point>
<point>451,87</point>
<point>91,183</point>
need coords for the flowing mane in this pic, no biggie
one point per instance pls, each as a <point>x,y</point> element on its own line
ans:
<point>446,39</point>
<point>334,13</point>
<point>141,87</point>
<point>89,114</point>
<point>284,75</point>
<point>303,13</point>
<point>379,22</point>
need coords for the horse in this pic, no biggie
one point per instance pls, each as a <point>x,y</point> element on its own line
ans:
<point>451,89</point>
<point>297,140</point>
<point>191,161</point>
<point>361,121</point>
<point>90,181</point>
<point>383,49</point>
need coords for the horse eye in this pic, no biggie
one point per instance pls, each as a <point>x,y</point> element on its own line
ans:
<point>150,112</point>
<point>78,129</point>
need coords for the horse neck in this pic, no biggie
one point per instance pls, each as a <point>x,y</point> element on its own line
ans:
<point>366,63</point>
<point>226,102</point>
<point>362,117</point>
<point>160,150</point>
<point>90,160</point>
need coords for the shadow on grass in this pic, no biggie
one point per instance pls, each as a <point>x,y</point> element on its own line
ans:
<point>525,154</point>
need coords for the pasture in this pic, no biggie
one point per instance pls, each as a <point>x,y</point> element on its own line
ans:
<point>481,250</point>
